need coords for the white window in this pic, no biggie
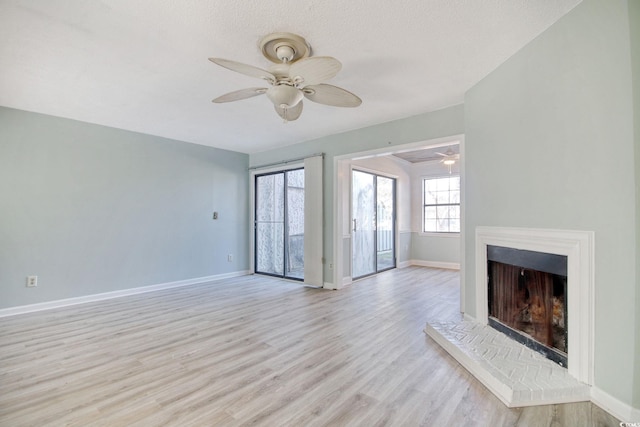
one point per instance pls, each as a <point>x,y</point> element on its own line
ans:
<point>441,206</point>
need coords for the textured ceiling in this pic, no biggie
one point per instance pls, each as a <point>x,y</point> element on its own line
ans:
<point>142,65</point>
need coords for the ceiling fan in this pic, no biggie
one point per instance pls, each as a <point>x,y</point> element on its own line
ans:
<point>294,76</point>
<point>449,158</point>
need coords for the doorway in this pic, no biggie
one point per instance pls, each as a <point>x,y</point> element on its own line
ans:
<point>373,223</point>
<point>279,224</point>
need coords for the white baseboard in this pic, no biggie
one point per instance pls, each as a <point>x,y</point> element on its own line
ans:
<point>30,308</point>
<point>328,285</point>
<point>615,407</point>
<point>404,264</point>
<point>436,264</point>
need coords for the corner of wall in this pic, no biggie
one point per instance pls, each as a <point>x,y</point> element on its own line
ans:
<point>634,31</point>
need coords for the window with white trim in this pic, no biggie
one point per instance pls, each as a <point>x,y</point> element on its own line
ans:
<point>441,204</point>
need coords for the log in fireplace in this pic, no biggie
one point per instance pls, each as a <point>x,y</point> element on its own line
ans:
<point>527,295</point>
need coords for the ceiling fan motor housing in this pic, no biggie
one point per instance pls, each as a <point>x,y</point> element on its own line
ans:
<point>280,71</point>
<point>285,52</point>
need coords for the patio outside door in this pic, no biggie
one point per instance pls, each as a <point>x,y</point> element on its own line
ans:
<point>373,224</point>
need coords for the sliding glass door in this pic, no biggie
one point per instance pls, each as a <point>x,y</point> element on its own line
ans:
<point>373,223</point>
<point>279,224</point>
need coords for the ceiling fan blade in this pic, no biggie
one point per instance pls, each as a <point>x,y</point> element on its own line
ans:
<point>331,95</point>
<point>314,70</point>
<point>248,70</point>
<point>240,94</point>
<point>449,153</point>
<point>290,114</point>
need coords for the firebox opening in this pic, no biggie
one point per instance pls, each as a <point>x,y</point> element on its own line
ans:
<point>528,299</point>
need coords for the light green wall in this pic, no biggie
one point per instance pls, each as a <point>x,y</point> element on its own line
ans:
<point>446,122</point>
<point>549,144</point>
<point>634,26</point>
<point>433,248</point>
<point>92,209</point>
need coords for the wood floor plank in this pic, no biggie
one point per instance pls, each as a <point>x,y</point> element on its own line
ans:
<point>255,350</point>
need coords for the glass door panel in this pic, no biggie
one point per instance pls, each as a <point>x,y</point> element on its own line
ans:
<point>270,224</point>
<point>269,248</point>
<point>279,224</point>
<point>295,224</point>
<point>363,224</point>
<point>385,230</point>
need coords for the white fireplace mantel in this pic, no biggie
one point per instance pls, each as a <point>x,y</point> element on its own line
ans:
<point>578,247</point>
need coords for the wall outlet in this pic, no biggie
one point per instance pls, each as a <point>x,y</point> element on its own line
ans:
<point>32,281</point>
<point>229,257</point>
<point>215,215</point>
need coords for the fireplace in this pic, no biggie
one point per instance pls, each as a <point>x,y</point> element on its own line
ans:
<point>574,246</point>
<point>550,265</point>
<point>527,299</point>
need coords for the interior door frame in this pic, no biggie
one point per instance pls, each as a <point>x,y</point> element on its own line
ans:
<point>341,195</point>
<point>376,174</point>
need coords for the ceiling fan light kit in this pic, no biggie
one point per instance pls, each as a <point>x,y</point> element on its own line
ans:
<point>294,76</point>
<point>449,158</point>
<point>284,96</point>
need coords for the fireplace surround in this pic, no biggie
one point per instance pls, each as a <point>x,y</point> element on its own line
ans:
<point>578,247</point>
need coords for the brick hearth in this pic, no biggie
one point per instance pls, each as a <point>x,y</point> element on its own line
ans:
<point>516,374</point>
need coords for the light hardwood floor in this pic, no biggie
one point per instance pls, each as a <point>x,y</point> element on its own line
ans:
<point>255,351</point>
